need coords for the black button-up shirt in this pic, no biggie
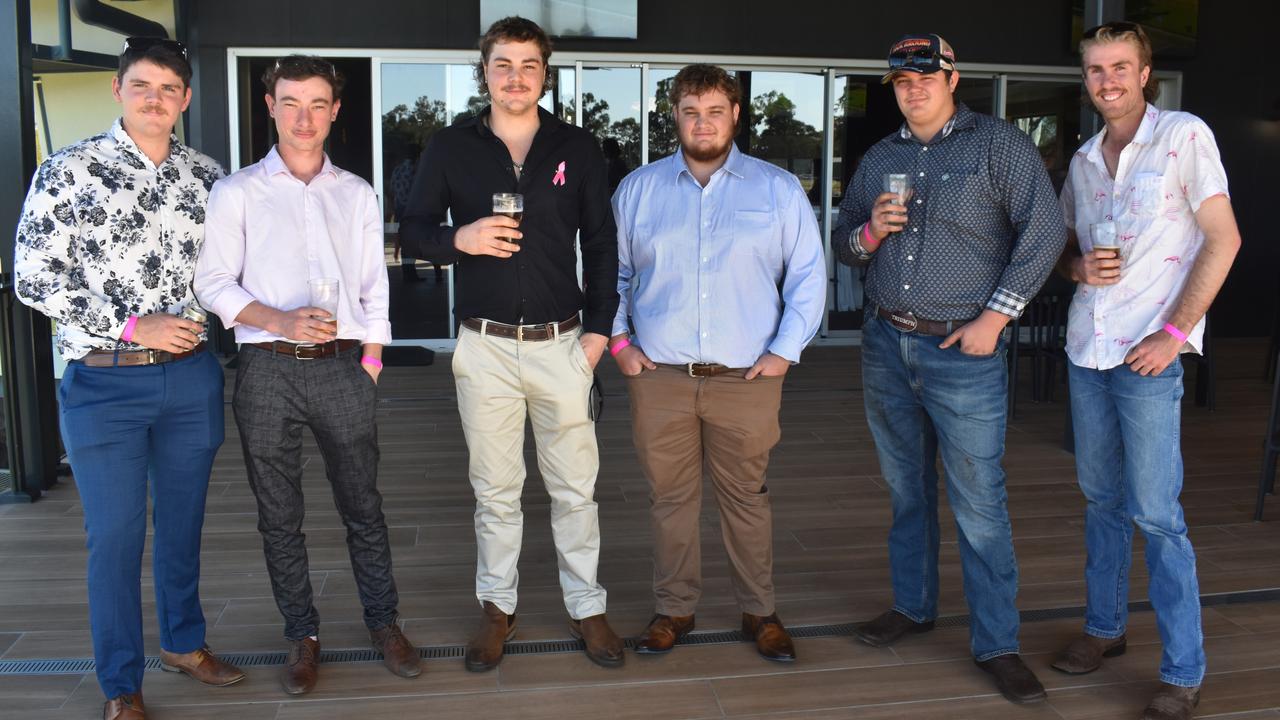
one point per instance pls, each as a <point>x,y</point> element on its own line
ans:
<point>984,228</point>
<point>566,192</point>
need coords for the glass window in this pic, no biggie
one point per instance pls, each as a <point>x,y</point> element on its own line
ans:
<point>1050,113</point>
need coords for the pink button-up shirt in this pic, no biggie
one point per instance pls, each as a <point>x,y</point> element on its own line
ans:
<point>267,234</point>
<point>1166,172</point>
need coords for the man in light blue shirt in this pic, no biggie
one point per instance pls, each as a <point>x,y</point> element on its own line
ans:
<point>721,274</point>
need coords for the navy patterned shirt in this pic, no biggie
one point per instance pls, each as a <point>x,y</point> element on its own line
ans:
<point>984,228</point>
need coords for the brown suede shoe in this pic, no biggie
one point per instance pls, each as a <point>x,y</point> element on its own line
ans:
<point>1014,679</point>
<point>888,628</point>
<point>1085,653</point>
<point>302,667</point>
<point>202,665</point>
<point>663,633</point>
<point>398,654</point>
<point>600,642</point>
<point>484,652</point>
<point>1172,702</point>
<point>125,707</point>
<point>772,640</point>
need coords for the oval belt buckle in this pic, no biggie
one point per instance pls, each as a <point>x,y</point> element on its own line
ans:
<point>905,322</point>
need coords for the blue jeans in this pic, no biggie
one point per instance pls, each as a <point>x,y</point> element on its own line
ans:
<point>921,399</point>
<point>1129,462</point>
<point>123,426</point>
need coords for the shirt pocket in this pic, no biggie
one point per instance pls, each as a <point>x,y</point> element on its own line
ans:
<point>758,231</point>
<point>1147,197</point>
<point>960,197</point>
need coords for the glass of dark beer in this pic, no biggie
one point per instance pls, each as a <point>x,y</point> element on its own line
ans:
<point>510,205</point>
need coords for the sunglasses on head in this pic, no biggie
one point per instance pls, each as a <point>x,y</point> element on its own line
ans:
<point>142,44</point>
<point>299,63</point>
<point>1117,27</point>
<point>924,59</point>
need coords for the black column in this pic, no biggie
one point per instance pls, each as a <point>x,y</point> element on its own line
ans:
<point>31,422</point>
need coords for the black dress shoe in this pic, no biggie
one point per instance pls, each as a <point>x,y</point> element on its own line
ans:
<point>1014,679</point>
<point>888,628</point>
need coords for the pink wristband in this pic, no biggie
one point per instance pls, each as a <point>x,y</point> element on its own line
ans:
<point>869,243</point>
<point>1174,331</point>
<point>371,361</point>
<point>617,348</point>
<point>129,326</point>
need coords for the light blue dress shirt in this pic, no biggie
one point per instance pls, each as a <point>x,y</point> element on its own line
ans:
<point>722,273</point>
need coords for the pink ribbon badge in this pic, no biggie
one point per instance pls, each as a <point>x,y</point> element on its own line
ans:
<point>559,178</point>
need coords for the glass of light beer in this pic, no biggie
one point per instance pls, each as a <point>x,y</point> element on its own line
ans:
<point>1104,237</point>
<point>324,295</point>
<point>509,205</point>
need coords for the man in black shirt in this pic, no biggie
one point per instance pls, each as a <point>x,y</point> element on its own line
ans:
<point>523,347</point>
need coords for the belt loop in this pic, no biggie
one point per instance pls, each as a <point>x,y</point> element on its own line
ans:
<point>484,327</point>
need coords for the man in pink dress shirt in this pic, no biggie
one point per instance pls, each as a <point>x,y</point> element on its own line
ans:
<point>272,229</point>
<point>1153,183</point>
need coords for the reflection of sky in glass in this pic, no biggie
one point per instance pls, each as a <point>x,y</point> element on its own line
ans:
<point>404,83</point>
<point>802,89</point>
<point>620,87</point>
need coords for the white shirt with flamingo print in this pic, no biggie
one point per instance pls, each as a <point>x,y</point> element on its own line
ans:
<point>1166,172</point>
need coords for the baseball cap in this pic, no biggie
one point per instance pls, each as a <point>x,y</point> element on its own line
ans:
<point>920,53</point>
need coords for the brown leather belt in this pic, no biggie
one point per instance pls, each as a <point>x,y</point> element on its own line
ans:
<point>697,370</point>
<point>111,358</point>
<point>523,333</point>
<point>308,352</point>
<point>907,322</point>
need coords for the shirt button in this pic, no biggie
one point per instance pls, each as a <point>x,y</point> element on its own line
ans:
<point>906,287</point>
<point>704,334</point>
<point>915,229</point>
<point>911,257</point>
<point>704,259</point>
<point>921,174</point>
<point>704,296</point>
<point>924,149</point>
<point>918,201</point>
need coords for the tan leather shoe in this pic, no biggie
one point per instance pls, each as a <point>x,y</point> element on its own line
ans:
<point>484,652</point>
<point>600,642</point>
<point>398,654</point>
<point>125,707</point>
<point>1172,702</point>
<point>663,633</point>
<point>1085,653</point>
<point>302,667</point>
<point>771,639</point>
<point>202,665</point>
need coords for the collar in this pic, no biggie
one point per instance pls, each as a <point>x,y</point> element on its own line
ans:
<point>964,119</point>
<point>1144,136</point>
<point>129,147</point>
<point>547,122</point>
<point>274,164</point>
<point>735,164</point>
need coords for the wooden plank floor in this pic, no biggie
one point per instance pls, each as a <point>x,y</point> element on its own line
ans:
<point>831,516</point>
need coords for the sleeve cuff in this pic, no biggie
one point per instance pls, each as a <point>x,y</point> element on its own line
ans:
<point>786,348</point>
<point>1007,302</point>
<point>230,304</point>
<point>379,333</point>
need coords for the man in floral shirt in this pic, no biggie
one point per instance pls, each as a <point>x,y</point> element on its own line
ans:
<point>1153,184</point>
<point>106,246</point>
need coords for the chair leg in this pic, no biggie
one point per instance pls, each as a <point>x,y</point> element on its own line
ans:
<point>1266,482</point>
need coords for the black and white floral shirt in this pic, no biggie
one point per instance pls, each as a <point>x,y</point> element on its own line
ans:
<point>106,234</point>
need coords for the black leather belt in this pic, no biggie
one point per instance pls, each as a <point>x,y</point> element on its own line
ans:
<point>303,351</point>
<point>111,358</point>
<point>523,333</point>
<point>908,322</point>
<point>705,369</point>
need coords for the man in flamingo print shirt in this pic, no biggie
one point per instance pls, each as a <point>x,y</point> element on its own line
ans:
<point>1153,180</point>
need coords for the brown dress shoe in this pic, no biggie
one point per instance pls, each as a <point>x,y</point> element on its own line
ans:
<point>772,640</point>
<point>663,633</point>
<point>302,667</point>
<point>1172,702</point>
<point>600,642</point>
<point>888,628</point>
<point>484,652</point>
<point>398,654</point>
<point>125,707</point>
<point>202,665</point>
<point>1014,679</point>
<point>1085,653</point>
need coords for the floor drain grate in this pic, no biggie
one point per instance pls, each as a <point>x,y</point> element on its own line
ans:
<point>79,666</point>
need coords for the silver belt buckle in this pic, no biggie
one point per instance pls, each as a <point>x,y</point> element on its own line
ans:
<point>690,368</point>
<point>905,319</point>
<point>151,356</point>
<point>296,348</point>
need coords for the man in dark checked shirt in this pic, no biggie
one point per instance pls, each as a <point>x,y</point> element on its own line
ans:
<point>950,265</point>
